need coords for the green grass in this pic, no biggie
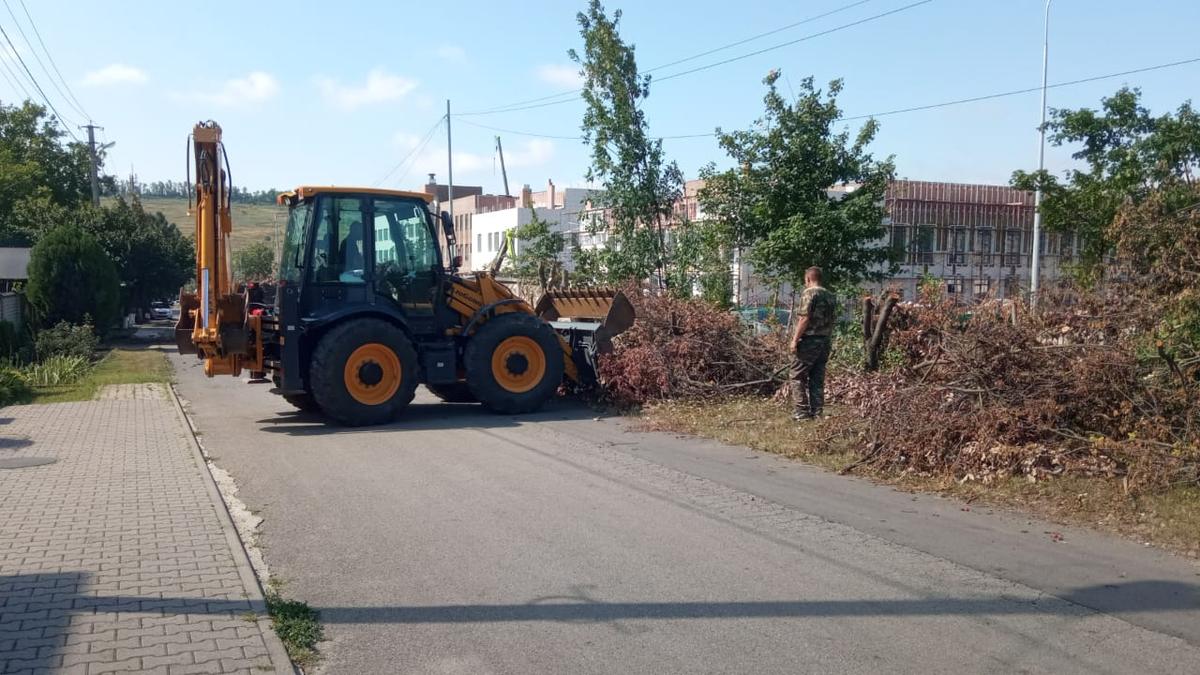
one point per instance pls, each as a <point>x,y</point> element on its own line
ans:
<point>296,624</point>
<point>251,222</point>
<point>121,365</point>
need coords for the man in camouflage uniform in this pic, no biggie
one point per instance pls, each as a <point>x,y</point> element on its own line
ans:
<point>810,345</point>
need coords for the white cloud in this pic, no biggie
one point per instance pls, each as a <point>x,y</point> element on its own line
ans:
<point>451,53</point>
<point>115,73</point>
<point>255,87</point>
<point>380,87</point>
<point>560,75</point>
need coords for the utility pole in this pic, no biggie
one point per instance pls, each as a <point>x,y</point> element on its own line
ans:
<point>91,129</point>
<point>503,171</point>
<point>449,163</point>
<point>1035,262</point>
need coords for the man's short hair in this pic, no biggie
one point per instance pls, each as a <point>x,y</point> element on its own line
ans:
<point>815,273</point>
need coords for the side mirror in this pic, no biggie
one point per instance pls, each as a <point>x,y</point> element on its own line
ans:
<point>448,226</point>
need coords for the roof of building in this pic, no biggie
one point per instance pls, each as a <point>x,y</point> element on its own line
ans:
<point>14,262</point>
<point>306,191</point>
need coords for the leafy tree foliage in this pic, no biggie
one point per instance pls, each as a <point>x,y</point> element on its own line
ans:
<point>72,279</point>
<point>538,256</point>
<point>640,186</point>
<point>779,201</point>
<point>38,169</point>
<point>255,262</point>
<point>180,190</point>
<point>702,263</point>
<point>152,257</point>
<point>1129,154</point>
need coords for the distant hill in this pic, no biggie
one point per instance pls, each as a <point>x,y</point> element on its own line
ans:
<point>251,222</point>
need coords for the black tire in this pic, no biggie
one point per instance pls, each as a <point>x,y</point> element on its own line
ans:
<point>457,392</point>
<point>353,397</point>
<point>303,402</point>
<point>482,380</point>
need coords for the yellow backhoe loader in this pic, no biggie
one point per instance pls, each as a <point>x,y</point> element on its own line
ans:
<point>366,308</point>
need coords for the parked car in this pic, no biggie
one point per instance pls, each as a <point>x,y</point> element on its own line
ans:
<point>160,310</point>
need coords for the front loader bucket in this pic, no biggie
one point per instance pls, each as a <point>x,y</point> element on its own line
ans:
<point>183,327</point>
<point>587,319</point>
<point>604,311</point>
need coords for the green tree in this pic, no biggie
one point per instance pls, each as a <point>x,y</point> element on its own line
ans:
<point>255,262</point>
<point>152,257</point>
<point>781,202</point>
<point>38,168</point>
<point>72,279</point>
<point>537,259</point>
<point>702,263</point>
<point>1129,154</point>
<point>640,186</point>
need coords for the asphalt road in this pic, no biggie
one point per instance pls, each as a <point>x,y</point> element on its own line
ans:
<point>456,541</point>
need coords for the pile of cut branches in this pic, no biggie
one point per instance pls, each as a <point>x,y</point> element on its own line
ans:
<point>1074,388</point>
<point>688,349</point>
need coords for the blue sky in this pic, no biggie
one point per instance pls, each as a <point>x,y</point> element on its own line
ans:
<point>318,92</point>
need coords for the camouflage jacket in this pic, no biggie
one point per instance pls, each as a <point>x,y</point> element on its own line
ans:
<point>820,306</point>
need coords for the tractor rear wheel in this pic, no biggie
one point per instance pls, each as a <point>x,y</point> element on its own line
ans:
<point>364,372</point>
<point>303,402</point>
<point>457,392</point>
<point>514,363</point>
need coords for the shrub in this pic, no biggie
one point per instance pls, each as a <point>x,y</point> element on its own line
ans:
<point>14,343</point>
<point>14,388</point>
<point>57,370</point>
<point>72,278</point>
<point>67,339</point>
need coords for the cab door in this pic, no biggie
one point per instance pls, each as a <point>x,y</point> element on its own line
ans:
<point>406,257</point>
<point>338,269</point>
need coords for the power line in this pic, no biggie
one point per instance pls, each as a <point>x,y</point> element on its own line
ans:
<point>412,153</point>
<point>73,99</point>
<point>573,94</point>
<point>10,75</point>
<point>796,41</point>
<point>563,138</point>
<point>37,86</point>
<point>931,106</point>
<point>1015,92</point>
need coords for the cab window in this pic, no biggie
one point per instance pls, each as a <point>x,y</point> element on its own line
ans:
<point>339,249</point>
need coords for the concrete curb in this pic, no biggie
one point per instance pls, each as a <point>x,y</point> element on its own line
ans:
<point>254,590</point>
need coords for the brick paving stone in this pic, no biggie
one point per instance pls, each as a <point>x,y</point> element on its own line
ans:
<point>114,558</point>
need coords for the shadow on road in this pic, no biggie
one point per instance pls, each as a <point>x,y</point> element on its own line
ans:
<point>65,594</point>
<point>427,417</point>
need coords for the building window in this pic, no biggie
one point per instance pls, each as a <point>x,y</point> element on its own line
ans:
<point>982,286</point>
<point>983,246</point>
<point>900,242</point>
<point>479,243</point>
<point>1013,246</point>
<point>923,246</point>
<point>958,246</point>
<point>1067,246</point>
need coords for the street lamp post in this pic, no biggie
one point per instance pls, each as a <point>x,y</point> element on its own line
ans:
<point>1036,255</point>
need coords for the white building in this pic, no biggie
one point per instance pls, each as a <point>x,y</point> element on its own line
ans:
<point>561,209</point>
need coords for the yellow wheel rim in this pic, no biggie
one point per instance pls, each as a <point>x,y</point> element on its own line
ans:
<point>518,364</point>
<point>373,373</point>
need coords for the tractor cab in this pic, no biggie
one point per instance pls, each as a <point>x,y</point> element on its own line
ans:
<point>349,247</point>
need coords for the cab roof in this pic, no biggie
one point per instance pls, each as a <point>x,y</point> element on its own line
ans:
<point>307,191</point>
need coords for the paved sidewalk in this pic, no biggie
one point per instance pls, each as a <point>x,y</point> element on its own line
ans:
<point>119,555</point>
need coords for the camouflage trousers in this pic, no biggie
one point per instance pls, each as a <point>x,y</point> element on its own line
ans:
<point>808,374</point>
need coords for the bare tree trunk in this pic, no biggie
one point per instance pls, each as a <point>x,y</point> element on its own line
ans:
<point>876,342</point>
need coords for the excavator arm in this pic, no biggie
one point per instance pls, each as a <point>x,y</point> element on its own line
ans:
<point>213,323</point>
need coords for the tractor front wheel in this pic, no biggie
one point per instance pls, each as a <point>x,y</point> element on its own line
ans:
<point>514,363</point>
<point>364,372</point>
